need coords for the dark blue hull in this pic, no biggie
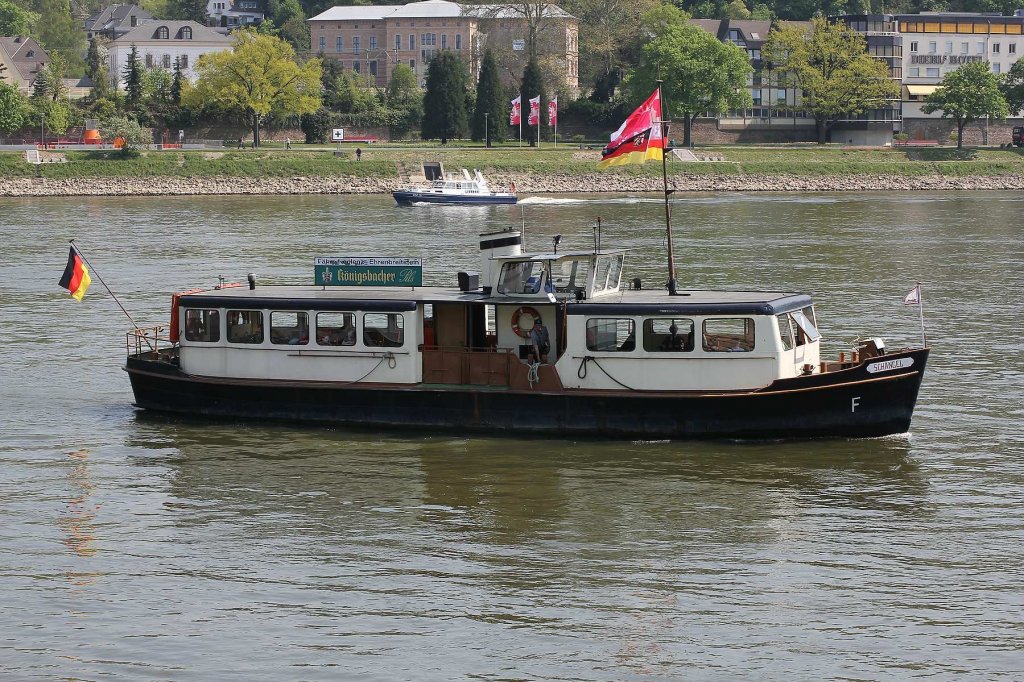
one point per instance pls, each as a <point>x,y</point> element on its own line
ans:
<point>851,403</point>
<point>407,198</point>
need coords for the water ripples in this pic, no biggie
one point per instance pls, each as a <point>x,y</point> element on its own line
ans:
<point>139,546</point>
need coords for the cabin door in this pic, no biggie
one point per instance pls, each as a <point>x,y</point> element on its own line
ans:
<point>450,325</point>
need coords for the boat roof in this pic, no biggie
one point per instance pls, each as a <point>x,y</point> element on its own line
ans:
<point>626,302</point>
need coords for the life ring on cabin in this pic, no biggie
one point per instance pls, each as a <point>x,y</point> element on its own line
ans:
<point>522,327</point>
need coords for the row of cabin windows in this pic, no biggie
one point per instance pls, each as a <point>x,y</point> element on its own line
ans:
<point>291,328</point>
<point>719,335</point>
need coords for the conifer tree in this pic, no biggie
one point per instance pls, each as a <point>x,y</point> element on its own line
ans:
<point>133,79</point>
<point>531,86</point>
<point>490,99</point>
<point>176,83</point>
<point>444,104</point>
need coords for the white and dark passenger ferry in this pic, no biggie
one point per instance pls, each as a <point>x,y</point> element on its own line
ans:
<point>456,189</point>
<point>621,362</point>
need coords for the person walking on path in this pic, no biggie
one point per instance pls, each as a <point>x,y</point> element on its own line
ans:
<point>359,154</point>
<point>241,143</point>
<point>287,143</point>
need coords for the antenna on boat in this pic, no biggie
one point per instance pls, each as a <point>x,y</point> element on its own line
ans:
<point>597,235</point>
<point>522,211</point>
<point>664,178</point>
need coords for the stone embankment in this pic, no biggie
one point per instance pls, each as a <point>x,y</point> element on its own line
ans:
<point>525,184</point>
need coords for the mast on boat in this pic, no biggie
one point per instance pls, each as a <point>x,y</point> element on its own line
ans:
<point>663,122</point>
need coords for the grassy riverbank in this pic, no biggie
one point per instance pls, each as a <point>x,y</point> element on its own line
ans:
<point>379,162</point>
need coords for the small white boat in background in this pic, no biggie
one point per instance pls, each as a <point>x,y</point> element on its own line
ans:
<point>454,189</point>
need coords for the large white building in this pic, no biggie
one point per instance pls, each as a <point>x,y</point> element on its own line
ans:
<point>161,42</point>
<point>936,43</point>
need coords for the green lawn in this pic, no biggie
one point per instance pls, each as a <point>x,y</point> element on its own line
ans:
<point>380,161</point>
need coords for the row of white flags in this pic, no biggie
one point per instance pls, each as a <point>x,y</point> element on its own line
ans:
<point>515,118</point>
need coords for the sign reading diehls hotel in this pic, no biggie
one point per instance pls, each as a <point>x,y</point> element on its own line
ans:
<point>945,58</point>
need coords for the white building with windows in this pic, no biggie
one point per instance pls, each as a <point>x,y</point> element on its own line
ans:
<point>228,15</point>
<point>161,42</point>
<point>936,43</point>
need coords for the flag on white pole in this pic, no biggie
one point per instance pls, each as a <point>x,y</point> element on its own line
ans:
<point>553,112</point>
<point>514,117</point>
<point>914,297</point>
<point>534,119</point>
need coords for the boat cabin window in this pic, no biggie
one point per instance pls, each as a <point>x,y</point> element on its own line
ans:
<point>336,329</point>
<point>668,334</point>
<point>786,332</point>
<point>384,330</point>
<point>523,277</point>
<point>245,326</point>
<point>805,322</point>
<point>202,325</point>
<point>289,328</point>
<point>571,275</point>
<point>607,273</point>
<point>612,335</point>
<point>729,335</point>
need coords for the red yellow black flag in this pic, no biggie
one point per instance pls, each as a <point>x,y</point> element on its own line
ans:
<point>76,275</point>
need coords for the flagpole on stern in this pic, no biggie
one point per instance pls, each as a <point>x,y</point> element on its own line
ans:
<point>920,310</point>
<point>672,291</point>
<point>112,295</point>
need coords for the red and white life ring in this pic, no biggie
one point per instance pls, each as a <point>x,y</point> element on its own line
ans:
<point>522,326</point>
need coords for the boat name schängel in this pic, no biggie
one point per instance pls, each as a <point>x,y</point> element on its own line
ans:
<point>889,365</point>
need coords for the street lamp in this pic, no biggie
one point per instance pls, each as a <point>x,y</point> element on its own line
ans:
<point>42,128</point>
<point>487,139</point>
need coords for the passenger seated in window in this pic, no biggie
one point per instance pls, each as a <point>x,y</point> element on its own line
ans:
<point>532,285</point>
<point>674,341</point>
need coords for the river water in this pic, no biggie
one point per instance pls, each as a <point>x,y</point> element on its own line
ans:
<point>140,547</point>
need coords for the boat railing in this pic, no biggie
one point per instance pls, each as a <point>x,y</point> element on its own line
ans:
<point>473,366</point>
<point>149,340</point>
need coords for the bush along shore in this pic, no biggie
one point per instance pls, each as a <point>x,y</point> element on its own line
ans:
<point>525,184</point>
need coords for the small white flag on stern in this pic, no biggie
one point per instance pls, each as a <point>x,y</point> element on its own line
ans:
<point>914,297</point>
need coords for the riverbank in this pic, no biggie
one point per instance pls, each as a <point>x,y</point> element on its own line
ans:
<point>549,170</point>
<point>525,184</point>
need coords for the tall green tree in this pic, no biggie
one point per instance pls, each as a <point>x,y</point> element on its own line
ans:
<point>967,94</point>
<point>16,20</point>
<point>258,78</point>
<point>177,83</point>
<point>833,70</point>
<point>609,29</point>
<point>1013,87</point>
<point>530,87</point>
<point>132,75</point>
<point>444,103</point>
<point>404,99</point>
<point>701,74</point>
<point>489,115</point>
<point>14,109</point>
<point>194,10</point>
<point>59,31</point>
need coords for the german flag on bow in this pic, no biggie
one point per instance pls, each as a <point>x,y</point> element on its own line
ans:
<point>639,138</point>
<point>76,276</point>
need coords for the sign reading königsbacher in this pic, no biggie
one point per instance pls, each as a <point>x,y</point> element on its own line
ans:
<point>368,272</point>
